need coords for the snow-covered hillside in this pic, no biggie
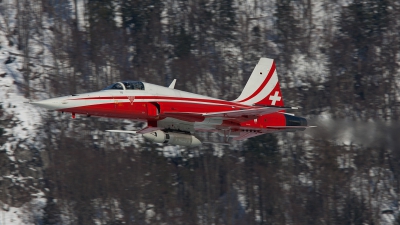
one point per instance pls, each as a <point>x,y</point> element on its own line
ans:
<point>337,60</point>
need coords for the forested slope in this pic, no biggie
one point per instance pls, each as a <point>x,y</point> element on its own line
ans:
<point>338,60</point>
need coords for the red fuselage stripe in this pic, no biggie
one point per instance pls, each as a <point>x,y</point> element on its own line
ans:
<point>271,72</point>
<point>163,98</point>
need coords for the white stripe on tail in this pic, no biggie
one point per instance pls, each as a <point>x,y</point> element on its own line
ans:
<point>263,87</point>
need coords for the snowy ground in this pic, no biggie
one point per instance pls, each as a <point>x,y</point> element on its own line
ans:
<point>27,214</point>
<point>14,103</point>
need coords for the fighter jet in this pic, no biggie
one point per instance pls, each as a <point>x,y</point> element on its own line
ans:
<point>173,116</point>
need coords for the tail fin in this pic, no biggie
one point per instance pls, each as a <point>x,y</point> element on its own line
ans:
<point>263,86</point>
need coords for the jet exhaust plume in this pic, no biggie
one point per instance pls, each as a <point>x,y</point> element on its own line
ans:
<point>367,134</point>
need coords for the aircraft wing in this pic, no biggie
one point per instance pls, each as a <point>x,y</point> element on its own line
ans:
<point>233,114</point>
<point>247,112</point>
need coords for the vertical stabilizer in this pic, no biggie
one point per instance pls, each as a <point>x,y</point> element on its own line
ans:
<point>263,87</point>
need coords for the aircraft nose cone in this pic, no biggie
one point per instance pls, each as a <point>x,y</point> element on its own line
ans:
<point>47,104</point>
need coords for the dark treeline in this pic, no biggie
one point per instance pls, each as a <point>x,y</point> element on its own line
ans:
<point>334,58</point>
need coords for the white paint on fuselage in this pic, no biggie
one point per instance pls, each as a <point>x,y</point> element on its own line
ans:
<point>59,103</point>
<point>164,91</point>
<point>72,101</point>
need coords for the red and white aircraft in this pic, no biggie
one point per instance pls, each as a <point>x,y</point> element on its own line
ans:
<point>172,116</point>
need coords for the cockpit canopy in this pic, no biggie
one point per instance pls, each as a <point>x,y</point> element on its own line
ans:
<point>126,85</point>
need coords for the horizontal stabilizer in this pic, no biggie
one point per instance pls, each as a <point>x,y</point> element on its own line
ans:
<point>277,106</point>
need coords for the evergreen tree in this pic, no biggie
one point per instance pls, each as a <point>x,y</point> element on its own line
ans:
<point>182,43</point>
<point>356,59</point>
<point>287,29</point>
<point>101,14</point>
<point>141,21</point>
<point>263,149</point>
<point>51,214</point>
<point>226,19</point>
<point>137,15</point>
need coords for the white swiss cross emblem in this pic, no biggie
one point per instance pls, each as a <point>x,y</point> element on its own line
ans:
<point>275,98</point>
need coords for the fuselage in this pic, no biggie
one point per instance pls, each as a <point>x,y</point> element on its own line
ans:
<point>153,104</point>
